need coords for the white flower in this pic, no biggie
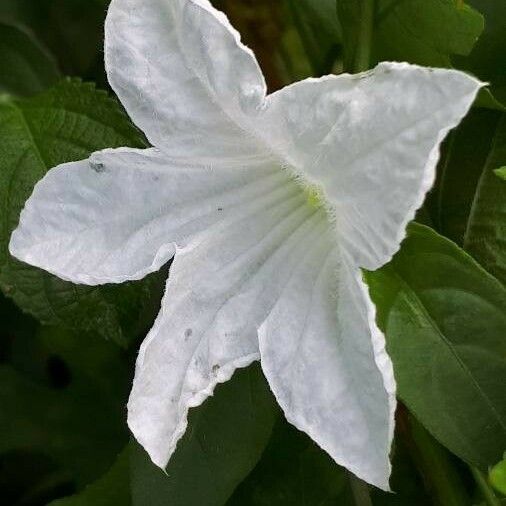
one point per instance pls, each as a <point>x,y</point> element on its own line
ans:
<point>270,204</point>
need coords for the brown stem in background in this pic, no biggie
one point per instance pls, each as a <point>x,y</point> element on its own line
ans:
<point>260,25</point>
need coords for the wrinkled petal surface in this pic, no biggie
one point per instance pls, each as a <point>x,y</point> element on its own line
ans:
<point>370,143</point>
<point>183,75</point>
<point>326,363</point>
<point>120,214</point>
<point>220,289</point>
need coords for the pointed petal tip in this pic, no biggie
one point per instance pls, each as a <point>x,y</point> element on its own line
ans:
<point>379,478</point>
<point>138,424</point>
<point>466,78</point>
<point>21,247</point>
<point>14,245</point>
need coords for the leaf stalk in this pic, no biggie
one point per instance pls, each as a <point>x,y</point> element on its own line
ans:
<point>485,489</point>
<point>364,37</point>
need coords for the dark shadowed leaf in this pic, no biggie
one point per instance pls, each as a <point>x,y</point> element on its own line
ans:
<point>27,67</point>
<point>112,489</point>
<point>416,465</point>
<point>468,202</point>
<point>65,398</point>
<point>485,234</point>
<point>487,58</point>
<point>463,157</point>
<point>293,470</point>
<point>71,29</point>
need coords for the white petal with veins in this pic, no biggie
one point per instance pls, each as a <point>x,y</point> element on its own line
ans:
<point>183,76</point>
<point>326,363</point>
<point>119,215</point>
<point>371,143</point>
<point>220,289</point>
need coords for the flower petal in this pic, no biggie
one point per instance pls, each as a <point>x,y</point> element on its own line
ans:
<point>183,75</point>
<point>372,145</point>
<point>219,291</point>
<point>118,215</point>
<point>326,363</point>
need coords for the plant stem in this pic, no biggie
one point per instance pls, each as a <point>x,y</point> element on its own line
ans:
<point>486,491</point>
<point>360,491</point>
<point>433,462</point>
<point>364,37</point>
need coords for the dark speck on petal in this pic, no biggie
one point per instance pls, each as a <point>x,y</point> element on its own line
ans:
<point>97,166</point>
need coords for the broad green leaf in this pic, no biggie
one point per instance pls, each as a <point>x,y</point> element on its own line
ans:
<point>223,442</point>
<point>497,476</point>
<point>487,59</point>
<point>485,234</point>
<point>445,320</point>
<point>27,67</point>
<point>112,489</point>
<point>293,470</point>
<point>70,407</point>
<point>426,32</point>
<point>65,123</point>
<point>501,172</point>
<point>318,28</point>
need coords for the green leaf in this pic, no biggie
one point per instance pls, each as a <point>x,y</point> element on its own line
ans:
<point>65,123</point>
<point>319,31</point>
<point>485,234</point>
<point>223,442</point>
<point>445,321</point>
<point>112,489</point>
<point>487,58</point>
<point>497,476</point>
<point>293,470</point>
<point>27,67</point>
<point>65,400</point>
<point>426,32</point>
<point>500,172</point>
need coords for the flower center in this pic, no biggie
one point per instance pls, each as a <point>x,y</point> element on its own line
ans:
<point>314,196</point>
